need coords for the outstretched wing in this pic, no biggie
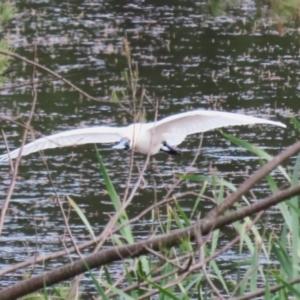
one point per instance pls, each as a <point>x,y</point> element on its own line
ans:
<point>103,134</point>
<point>175,128</point>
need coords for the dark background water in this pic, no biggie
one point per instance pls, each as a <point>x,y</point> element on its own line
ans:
<point>184,56</point>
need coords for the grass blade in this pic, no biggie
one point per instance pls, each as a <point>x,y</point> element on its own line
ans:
<point>82,216</point>
<point>257,151</point>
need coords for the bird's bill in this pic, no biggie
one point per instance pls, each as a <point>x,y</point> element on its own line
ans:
<point>123,144</point>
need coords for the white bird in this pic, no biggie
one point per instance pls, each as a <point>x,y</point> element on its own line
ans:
<point>146,138</point>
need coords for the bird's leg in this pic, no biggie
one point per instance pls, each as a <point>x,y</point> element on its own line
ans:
<point>169,149</point>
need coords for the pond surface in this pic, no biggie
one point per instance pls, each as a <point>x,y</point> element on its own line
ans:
<point>186,60</point>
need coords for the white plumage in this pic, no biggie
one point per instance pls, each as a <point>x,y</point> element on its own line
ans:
<point>146,138</point>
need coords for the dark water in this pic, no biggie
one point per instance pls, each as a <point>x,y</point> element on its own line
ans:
<point>190,59</point>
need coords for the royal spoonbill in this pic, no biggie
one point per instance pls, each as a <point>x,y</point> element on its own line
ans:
<point>146,138</point>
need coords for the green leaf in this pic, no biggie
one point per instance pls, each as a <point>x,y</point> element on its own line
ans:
<point>212,180</point>
<point>117,291</point>
<point>82,216</point>
<point>203,189</point>
<point>257,151</point>
<point>295,220</point>
<point>114,97</point>
<point>267,295</point>
<point>58,293</point>
<point>219,275</point>
<point>45,291</point>
<point>99,288</point>
<point>164,292</point>
<point>253,274</point>
<point>290,287</point>
<point>107,275</point>
<point>283,258</point>
<point>296,123</point>
<point>123,219</point>
<point>183,216</point>
<point>135,292</point>
<point>166,270</point>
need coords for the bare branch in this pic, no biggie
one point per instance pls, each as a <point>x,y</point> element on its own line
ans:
<point>255,178</point>
<point>174,238</point>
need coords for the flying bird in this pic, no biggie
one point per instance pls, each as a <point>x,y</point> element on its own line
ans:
<point>146,138</point>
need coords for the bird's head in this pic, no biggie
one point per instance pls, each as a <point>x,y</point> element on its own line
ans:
<point>123,144</point>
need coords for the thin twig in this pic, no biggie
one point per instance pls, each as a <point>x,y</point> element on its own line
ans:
<point>16,86</point>
<point>87,244</point>
<point>37,65</point>
<point>261,292</point>
<point>194,267</point>
<point>15,170</point>
<point>255,178</point>
<point>104,257</point>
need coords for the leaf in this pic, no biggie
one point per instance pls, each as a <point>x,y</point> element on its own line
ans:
<point>123,219</point>
<point>82,217</point>
<point>164,291</point>
<point>117,291</point>
<point>290,287</point>
<point>257,151</point>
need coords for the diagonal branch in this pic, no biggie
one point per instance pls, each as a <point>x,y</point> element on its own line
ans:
<point>255,178</point>
<point>174,238</point>
<point>261,292</point>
